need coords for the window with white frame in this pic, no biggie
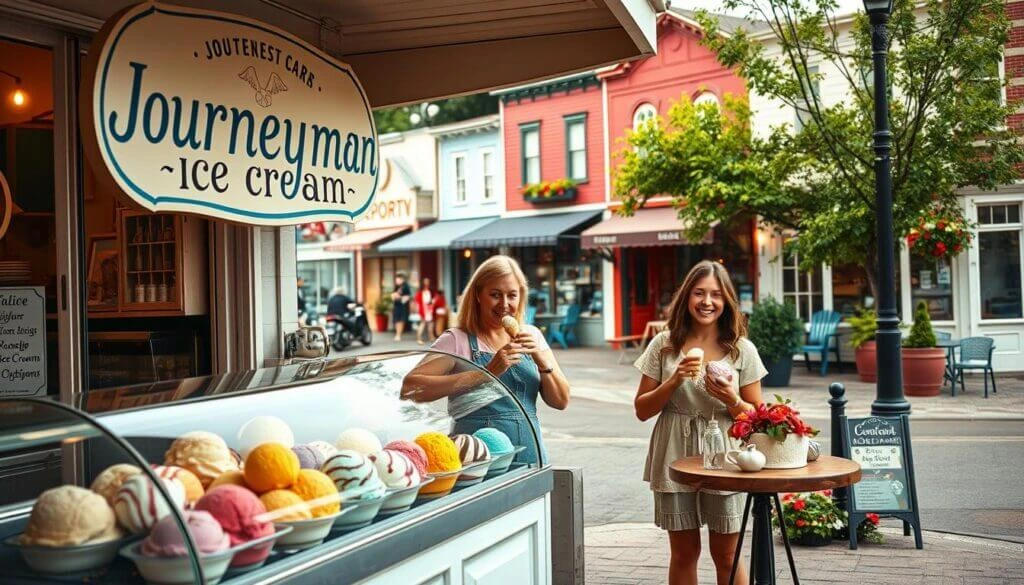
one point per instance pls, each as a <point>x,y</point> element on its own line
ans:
<point>487,163</point>
<point>529,135</point>
<point>459,164</point>
<point>576,147</point>
<point>799,288</point>
<point>643,113</point>
<point>813,92</point>
<point>706,98</point>
<point>1000,257</point>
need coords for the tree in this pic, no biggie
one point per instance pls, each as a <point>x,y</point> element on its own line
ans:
<point>946,117</point>
<point>449,110</point>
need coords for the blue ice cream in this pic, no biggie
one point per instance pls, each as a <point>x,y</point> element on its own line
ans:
<point>497,442</point>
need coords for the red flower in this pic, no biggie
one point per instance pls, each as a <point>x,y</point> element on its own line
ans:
<point>742,416</point>
<point>926,235</point>
<point>740,430</point>
<point>799,505</point>
<point>940,249</point>
<point>826,492</point>
<point>940,225</point>
<point>545,188</point>
<point>787,497</point>
<point>776,416</point>
<point>872,518</point>
<point>956,248</point>
<point>800,523</point>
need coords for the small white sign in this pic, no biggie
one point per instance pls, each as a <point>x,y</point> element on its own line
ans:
<point>215,114</point>
<point>22,342</point>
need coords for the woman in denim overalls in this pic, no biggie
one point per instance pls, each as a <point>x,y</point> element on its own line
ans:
<point>523,362</point>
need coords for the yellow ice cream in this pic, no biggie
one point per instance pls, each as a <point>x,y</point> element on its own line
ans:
<point>204,454</point>
<point>235,477</point>
<point>270,466</point>
<point>110,479</point>
<point>313,485</point>
<point>288,503</point>
<point>442,454</point>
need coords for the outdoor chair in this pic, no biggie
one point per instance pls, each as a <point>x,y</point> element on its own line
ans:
<point>564,332</point>
<point>531,315</point>
<point>943,335</point>
<point>819,338</point>
<point>975,354</point>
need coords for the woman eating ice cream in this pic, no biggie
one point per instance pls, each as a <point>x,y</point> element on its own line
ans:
<point>701,368</point>
<point>491,334</point>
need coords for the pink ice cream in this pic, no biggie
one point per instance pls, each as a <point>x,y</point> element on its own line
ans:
<point>236,508</point>
<point>413,451</point>
<point>165,540</point>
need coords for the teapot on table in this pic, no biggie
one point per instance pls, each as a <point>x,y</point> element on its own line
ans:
<point>747,459</point>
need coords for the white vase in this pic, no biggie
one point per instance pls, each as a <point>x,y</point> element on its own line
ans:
<point>788,454</point>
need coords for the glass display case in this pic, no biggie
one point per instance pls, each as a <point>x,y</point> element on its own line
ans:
<point>338,471</point>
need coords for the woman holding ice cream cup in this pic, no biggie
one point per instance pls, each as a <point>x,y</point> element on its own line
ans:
<point>701,368</point>
<point>490,332</point>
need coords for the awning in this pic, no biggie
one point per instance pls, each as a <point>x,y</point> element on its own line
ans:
<point>436,236</point>
<point>364,239</point>
<point>533,230</point>
<point>646,227</point>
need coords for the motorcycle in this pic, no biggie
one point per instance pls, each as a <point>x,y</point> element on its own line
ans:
<point>343,330</point>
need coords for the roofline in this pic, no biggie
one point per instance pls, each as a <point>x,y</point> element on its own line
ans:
<point>482,123</point>
<point>542,83</point>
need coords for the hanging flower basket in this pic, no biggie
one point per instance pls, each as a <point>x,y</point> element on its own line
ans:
<point>937,236</point>
<point>550,192</point>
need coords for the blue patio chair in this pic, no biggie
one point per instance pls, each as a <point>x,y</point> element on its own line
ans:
<point>975,354</point>
<point>943,335</point>
<point>531,315</point>
<point>564,332</point>
<point>950,358</point>
<point>819,338</point>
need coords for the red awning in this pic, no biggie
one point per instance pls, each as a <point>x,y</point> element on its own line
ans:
<point>364,239</point>
<point>646,227</point>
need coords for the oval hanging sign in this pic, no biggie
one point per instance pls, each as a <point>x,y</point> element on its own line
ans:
<point>215,114</point>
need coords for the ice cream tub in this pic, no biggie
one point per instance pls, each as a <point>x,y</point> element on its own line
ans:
<point>400,500</point>
<point>501,463</point>
<point>67,559</point>
<point>362,514</point>
<point>307,533</point>
<point>441,486</point>
<point>474,473</point>
<point>263,543</point>
<point>178,570</point>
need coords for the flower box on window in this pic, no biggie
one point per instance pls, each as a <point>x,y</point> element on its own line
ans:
<point>550,191</point>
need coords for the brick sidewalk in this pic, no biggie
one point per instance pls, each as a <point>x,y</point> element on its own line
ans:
<point>637,554</point>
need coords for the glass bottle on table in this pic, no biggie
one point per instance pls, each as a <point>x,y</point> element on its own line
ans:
<point>713,446</point>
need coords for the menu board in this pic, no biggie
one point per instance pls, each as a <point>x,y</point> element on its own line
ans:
<point>877,443</point>
<point>22,342</point>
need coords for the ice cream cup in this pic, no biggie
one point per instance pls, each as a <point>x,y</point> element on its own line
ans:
<point>362,514</point>
<point>307,533</point>
<point>400,500</point>
<point>67,559</point>
<point>501,463</point>
<point>263,543</point>
<point>178,570</point>
<point>473,473</point>
<point>441,486</point>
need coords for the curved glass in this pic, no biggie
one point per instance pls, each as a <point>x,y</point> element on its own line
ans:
<point>217,428</point>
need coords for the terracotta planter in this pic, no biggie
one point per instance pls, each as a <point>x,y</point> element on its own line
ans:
<point>381,321</point>
<point>867,362</point>
<point>922,370</point>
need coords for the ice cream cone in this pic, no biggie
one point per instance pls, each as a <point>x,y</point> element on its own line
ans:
<point>511,325</point>
<point>697,353</point>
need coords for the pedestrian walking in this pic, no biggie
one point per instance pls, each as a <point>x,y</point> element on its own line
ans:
<point>518,356</point>
<point>677,387</point>
<point>440,314</point>
<point>425,308</point>
<point>400,309</point>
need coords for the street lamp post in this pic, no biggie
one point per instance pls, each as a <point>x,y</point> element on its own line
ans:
<point>889,399</point>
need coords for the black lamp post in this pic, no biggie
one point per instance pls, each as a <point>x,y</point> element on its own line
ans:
<point>889,399</point>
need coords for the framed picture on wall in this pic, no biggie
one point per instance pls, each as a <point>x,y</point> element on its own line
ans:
<point>103,277</point>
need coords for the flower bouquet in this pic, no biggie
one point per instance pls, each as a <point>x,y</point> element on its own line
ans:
<point>778,431</point>
<point>938,237</point>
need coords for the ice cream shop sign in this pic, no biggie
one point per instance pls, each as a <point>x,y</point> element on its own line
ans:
<point>210,113</point>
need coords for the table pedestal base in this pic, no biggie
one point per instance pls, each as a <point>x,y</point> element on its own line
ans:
<point>762,546</point>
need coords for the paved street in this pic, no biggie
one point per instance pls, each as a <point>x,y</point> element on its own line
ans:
<point>966,451</point>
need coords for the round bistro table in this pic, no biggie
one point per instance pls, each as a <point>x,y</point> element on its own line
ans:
<point>762,488</point>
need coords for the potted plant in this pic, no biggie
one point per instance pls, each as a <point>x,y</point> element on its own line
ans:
<point>862,338</point>
<point>811,517</point>
<point>776,332</point>
<point>923,363</point>
<point>382,309</point>
<point>778,432</point>
<point>550,191</point>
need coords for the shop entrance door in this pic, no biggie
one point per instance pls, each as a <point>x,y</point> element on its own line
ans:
<point>640,298</point>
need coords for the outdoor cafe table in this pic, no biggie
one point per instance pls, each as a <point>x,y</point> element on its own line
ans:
<point>763,487</point>
<point>950,346</point>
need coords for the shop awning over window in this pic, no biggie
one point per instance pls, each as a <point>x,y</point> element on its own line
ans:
<point>647,227</point>
<point>534,230</point>
<point>436,236</point>
<point>364,239</point>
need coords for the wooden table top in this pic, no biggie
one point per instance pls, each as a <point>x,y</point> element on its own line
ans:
<point>826,473</point>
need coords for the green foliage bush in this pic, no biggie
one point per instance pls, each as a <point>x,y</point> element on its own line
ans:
<point>775,329</point>
<point>921,333</point>
<point>864,325</point>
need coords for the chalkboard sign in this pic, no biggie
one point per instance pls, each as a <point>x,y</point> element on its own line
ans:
<point>881,445</point>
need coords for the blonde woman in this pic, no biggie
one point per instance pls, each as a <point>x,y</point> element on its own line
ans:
<point>523,362</point>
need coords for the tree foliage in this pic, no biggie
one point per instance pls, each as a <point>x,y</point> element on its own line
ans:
<point>948,126</point>
<point>454,109</point>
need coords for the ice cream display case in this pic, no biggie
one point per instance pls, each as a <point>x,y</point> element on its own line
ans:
<point>326,471</point>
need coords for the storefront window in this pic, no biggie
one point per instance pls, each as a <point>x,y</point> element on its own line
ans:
<point>579,280</point>
<point>931,281</point>
<point>801,289</point>
<point>850,289</point>
<point>530,143</point>
<point>999,255</point>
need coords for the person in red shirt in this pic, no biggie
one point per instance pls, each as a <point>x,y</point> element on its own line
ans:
<point>425,308</point>
<point>440,313</point>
